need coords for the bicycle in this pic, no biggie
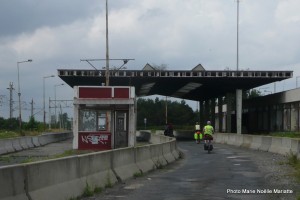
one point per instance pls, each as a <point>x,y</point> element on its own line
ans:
<point>208,146</point>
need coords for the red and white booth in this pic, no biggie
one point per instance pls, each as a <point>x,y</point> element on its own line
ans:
<point>104,117</point>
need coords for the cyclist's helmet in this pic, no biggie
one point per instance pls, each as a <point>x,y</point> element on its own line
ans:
<point>208,122</point>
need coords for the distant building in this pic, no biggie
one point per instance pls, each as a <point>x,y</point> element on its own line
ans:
<point>271,113</point>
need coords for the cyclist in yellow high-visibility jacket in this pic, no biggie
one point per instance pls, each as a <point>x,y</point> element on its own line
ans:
<point>208,131</point>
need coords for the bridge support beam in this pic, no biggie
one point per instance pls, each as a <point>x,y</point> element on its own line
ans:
<point>201,110</point>
<point>213,112</point>
<point>220,113</point>
<point>239,95</point>
<point>228,112</point>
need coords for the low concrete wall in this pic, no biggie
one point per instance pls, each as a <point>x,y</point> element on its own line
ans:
<point>66,178</point>
<point>12,183</point>
<point>54,179</point>
<point>279,145</point>
<point>144,160</point>
<point>124,163</point>
<point>22,143</point>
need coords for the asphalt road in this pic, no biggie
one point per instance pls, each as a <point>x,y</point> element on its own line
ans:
<point>227,173</point>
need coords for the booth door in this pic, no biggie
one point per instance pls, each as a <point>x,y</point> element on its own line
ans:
<point>121,132</point>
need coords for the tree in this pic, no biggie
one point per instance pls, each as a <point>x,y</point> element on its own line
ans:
<point>253,93</point>
<point>179,113</point>
<point>32,124</point>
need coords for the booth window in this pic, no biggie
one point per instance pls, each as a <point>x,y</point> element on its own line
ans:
<point>93,120</point>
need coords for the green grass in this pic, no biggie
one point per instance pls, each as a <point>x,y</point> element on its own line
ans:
<point>88,191</point>
<point>295,163</point>
<point>5,159</point>
<point>8,134</point>
<point>5,134</point>
<point>138,174</point>
<point>286,134</point>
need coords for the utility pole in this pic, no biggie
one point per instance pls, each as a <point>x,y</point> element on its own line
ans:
<point>107,52</point>
<point>11,88</point>
<point>31,108</point>
<point>237,34</point>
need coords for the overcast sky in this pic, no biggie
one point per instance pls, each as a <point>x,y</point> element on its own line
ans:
<point>56,34</point>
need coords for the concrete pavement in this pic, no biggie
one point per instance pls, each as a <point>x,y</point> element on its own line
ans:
<point>37,153</point>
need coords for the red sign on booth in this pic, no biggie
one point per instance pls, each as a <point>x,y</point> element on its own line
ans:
<point>94,140</point>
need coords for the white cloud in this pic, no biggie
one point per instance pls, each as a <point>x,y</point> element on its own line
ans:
<point>178,33</point>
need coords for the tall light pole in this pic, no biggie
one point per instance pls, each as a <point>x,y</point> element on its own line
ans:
<point>44,105</point>
<point>237,35</point>
<point>107,52</point>
<point>19,93</point>
<point>55,100</point>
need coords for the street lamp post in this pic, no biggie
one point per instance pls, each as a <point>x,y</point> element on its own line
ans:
<point>19,93</point>
<point>107,51</point>
<point>237,34</point>
<point>55,100</point>
<point>44,105</point>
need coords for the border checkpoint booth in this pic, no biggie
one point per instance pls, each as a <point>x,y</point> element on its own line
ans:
<point>104,117</point>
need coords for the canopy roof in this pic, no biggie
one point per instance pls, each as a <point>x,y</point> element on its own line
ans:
<point>197,84</point>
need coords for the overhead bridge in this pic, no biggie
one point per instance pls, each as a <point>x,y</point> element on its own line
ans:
<point>186,84</point>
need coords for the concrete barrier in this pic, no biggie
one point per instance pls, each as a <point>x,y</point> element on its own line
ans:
<point>275,145</point>
<point>295,147</point>
<point>225,138</point>
<point>54,179</point>
<point>46,139</point>
<point>239,140</point>
<point>29,142</point>
<point>247,140</point>
<point>157,155</point>
<point>266,143</point>
<point>232,140</point>
<point>21,143</point>
<point>279,145</point>
<point>256,142</point>
<point>66,178</point>
<point>16,144</point>
<point>158,139</point>
<point>220,138</point>
<point>286,146</point>
<point>174,149</point>
<point>12,183</point>
<point>124,163</point>
<point>166,149</point>
<point>96,169</point>
<point>35,141</point>
<point>3,149</point>
<point>143,159</point>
